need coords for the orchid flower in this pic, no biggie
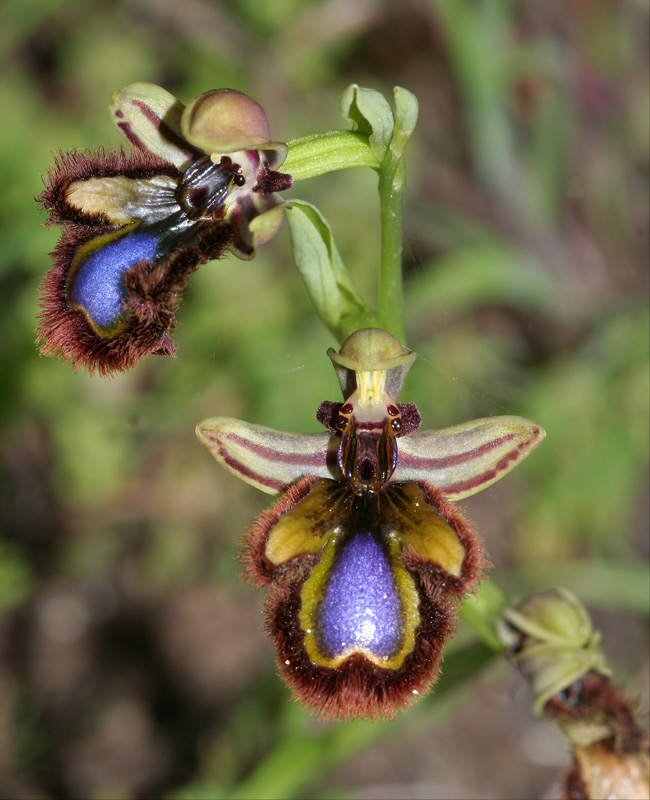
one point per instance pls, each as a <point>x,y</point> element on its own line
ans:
<point>199,180</point>
<point>364,554</point>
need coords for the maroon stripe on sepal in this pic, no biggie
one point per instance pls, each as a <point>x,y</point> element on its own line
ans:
<point>127,131</point>
<point>488,475</point>
<point>420,462</point>
<point>164,129</point>
<point>313,460</point>
<point>231,462</point>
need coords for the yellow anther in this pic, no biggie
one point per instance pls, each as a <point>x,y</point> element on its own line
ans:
<point>371,387</point>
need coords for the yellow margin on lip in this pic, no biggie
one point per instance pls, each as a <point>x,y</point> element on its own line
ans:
<point>312,596</point>
<point>84,252</point>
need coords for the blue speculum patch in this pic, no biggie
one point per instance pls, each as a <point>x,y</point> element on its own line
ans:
<point>95,284</point>
<point>361,607</point>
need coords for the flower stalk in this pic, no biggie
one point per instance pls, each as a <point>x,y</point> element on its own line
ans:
<point>391,131</point>
<point>377,140</point>
<point>391,286</point>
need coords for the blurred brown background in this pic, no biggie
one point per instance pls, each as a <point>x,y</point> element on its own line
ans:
<point>132,659</point>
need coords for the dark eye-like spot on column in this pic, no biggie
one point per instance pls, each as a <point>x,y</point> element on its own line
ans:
<point>366,470</point>
<point>197,197</point>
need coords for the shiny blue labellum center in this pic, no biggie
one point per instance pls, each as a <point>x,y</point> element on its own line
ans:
<point>96,285</point>
<point>361,606</point>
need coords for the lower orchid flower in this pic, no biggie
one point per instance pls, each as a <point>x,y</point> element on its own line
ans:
<point>365,556</point>
<point>552,639</point>
<point>199,180</point>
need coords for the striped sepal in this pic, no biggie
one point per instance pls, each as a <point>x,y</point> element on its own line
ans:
<point>149,117</point>
<point>466,459</point>
<point>268,459</point>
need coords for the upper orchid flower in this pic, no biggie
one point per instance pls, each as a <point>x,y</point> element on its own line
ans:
<point>365,556</point>
<point>199,180</point>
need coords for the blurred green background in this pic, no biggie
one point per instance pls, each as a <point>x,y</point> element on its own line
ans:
<point>132,658</point>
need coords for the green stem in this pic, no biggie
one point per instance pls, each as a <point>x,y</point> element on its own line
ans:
<point>310,156</point>
<point>379,143</point>
<point>481,612</point>
<point>391,189</point>
<point>391,289</point>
